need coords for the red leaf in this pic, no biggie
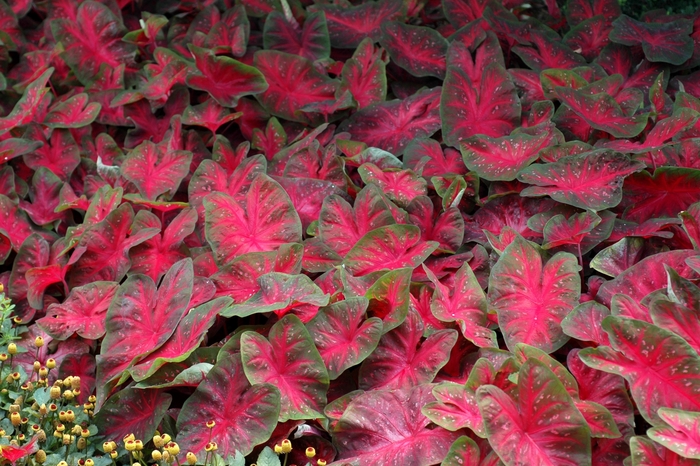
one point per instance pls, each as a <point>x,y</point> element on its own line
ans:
<point>25,110</point>
<point>667,42</point>
<point>425,156</point>
<point>74,112</point>
<point>419,50</point>
<point>364,75</point>
<point>682,435</point>
<point>155,171</point>
<point>664,194</point>
<point>401,186</point>
<point>133,411</point>
<point>309,41</point>
<point>578,11</point>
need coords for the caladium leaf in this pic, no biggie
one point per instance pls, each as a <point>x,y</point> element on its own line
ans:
<point>464,302</point>
<point>677,314</point>
<point>59,153</point>
<point>463,452</point>
<point>418,49</point>
<point>591,180</point>
<point>580,232</point>
<point>501,159</point>
<point>364,75</point>
<point>532,297</point>
<point>661,368</point>
<point>188,335</point>
<point>590,36</point>
<point>224,78</point>
<point>263,221</point>
<point>155,171</point>
<point>392,125</point>
<point>544,53</point>
<point>664,194</point>
<point>293,83</point>
<point>584,323</point>
<point>389,247</point>
<point>381,427</point>
<point>682,435</point>
<point>25,110</point>
<point>91,39</point>
<point>447,228</point>
<point>141,318</point>
<point>645,452</point>
<point>74,112</point>
<point>208,114</point>
<point>133,411</point>
<point>401,186</point>
<point>288,359</point>
<point>426,154</point>
<point>343,336</point>
<point>390,298</point>
<point>82,313</point>
<point>522,430</point>
<point>578,11</point>
<point>402,360</point>
<point>667,42</point>
<point>310,40</point>
<point>244,415</point>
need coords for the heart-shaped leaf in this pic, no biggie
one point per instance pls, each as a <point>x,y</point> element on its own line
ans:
<point>682,435</point>
<point>132,411</point>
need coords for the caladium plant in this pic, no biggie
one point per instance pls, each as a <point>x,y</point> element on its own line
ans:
<point>398,232</point>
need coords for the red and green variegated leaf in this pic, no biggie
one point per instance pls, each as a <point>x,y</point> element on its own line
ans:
<point>384,427</point>
<point>584,323</point>
<point>682,435</point>
<point>74,112</point>
<point>401,186</point>
<point>82,313</point>
<point>542,427</point>
<point>420,50</point>
<point>691,224</point>
<point>678,315</point>
<point>647,275</point>
<point>426,157</point>
<point>608,390</point>
<point>348,27</point>
<point>141,318</point>
<point>364,75</point>
<point>532,297</point>
<point>188,373</point>
<point>92,39</point>
<point>667,42</point>
<point>543,54</point>
<point>34,252</point>
<point>133,411</point>
<point>464,302</point>
<point>490,106</point>
<point>244,415</point>
<point>461,12</point>
<point>32,99</point>
<point>501,159</point>
<point>59,153</point>
<point>45,198</point>
<point>578,11</point>
<point>307,195</point>
<point>284,34</point>
<point>343,336</point>
<point>155,256</point>
<point>619,256</point>
<point>664,194</point>
<point>224,78</point>
<point>155,171</point>
<point>293,83</point>
<point>14,223</point>
<point>15,147</point>
<point>661,368</point>
<point>580,232</point>
<point>103,250</point>
<point>342,225</point>
<point>282,293</point>
<point>646,452</point>
<point>262,221</point>
<point>392,125</point>
<point>289,360</point>
<point>390,298</point>
<point>592,180</point>
<point>239,278</point>
<point>602,112</point>
<point>389,247</point>
<point>319,257</point>
<point>447,228</point>
<point>589,37</point>
<point>402,360</point>
<point>463,452</point>
<point>598,418</point>
<point>189,334</point>
<point>208,115</point>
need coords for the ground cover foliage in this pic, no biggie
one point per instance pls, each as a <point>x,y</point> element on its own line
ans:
<point>400,232</point>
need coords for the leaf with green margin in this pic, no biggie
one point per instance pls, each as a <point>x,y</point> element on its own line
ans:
<point>501,159</point>
<point>584,323</point>
<point>263,221</point>
<point>661,368</point>
<point>666,42</point>
<point>132,411</point>
<point>542,426</point>
<point>420,50</point>
<point>403,360</point>
<point>681,316</point>
<point>289,360</point>
<point>389,247</point>
<point>389,298</point>
<point>155,171</point>
<point>224,78</point>
<point>464,302</point>
<point>310,41</point>
<point>618,257</point>
<point>188,335</point>
<point>579,233</point>
<point>681,435</point>
<point>385,427</point>
<point>578,11</point>
<point>401,186</point>
<point>343,336</point>
<point>666,193</point>
<point>645,452</point>
<point>244,415</point>
<point>74,112</point>
<point>364,75</point>
<point>530,297</point>
<point>189,377</point>
<point>592,180</point>
<point>463,452</point>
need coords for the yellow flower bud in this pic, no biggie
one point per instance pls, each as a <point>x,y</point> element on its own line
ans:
<point>14,408</point>
<point>321,462</point>
<point>16,376</point>
<point>75,382</point>
<point>92,399</point>
<point>131,437</point>
<point>55,392</point>
<point>173,448</point>
<point>59,428</point>
<point>166,438</point>
<point>37,366</point>
<point>62,416</point>
<point>156,455</point>
<point>158,441</point>
<point>53,407</point>
<point>191,458</point>
<point>130,445</point>
<point>278,448</point>
<point>41,436</point>
<point>38,342</point>
<point>62,463</point>
<point>43,372</point>
<point>3,357</point>
<point>67,439</point>
<point>12,348</point>
<point>40,456</point>
<point>76,430</point>
<point>114,455</point>
<point>89,462</point>
<point>107,447</point>
<point>16,419</point>
<point>211,446</point>
<point>85,433</point>
<point>70,416</point>
<point>310,452</point>
<point>36,427</point>
<point>82,443</point>
<point>51,363</point>
<point>211,424</point>
<point>68,395</point>
<point>286,446</point>
<point>139,445</point>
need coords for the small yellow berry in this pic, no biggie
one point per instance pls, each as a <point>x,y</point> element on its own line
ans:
<point>286,446</point>
<point>38,342</point>
<point>12,348</point>
<point>191,458</point>
<point>310,452</point>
